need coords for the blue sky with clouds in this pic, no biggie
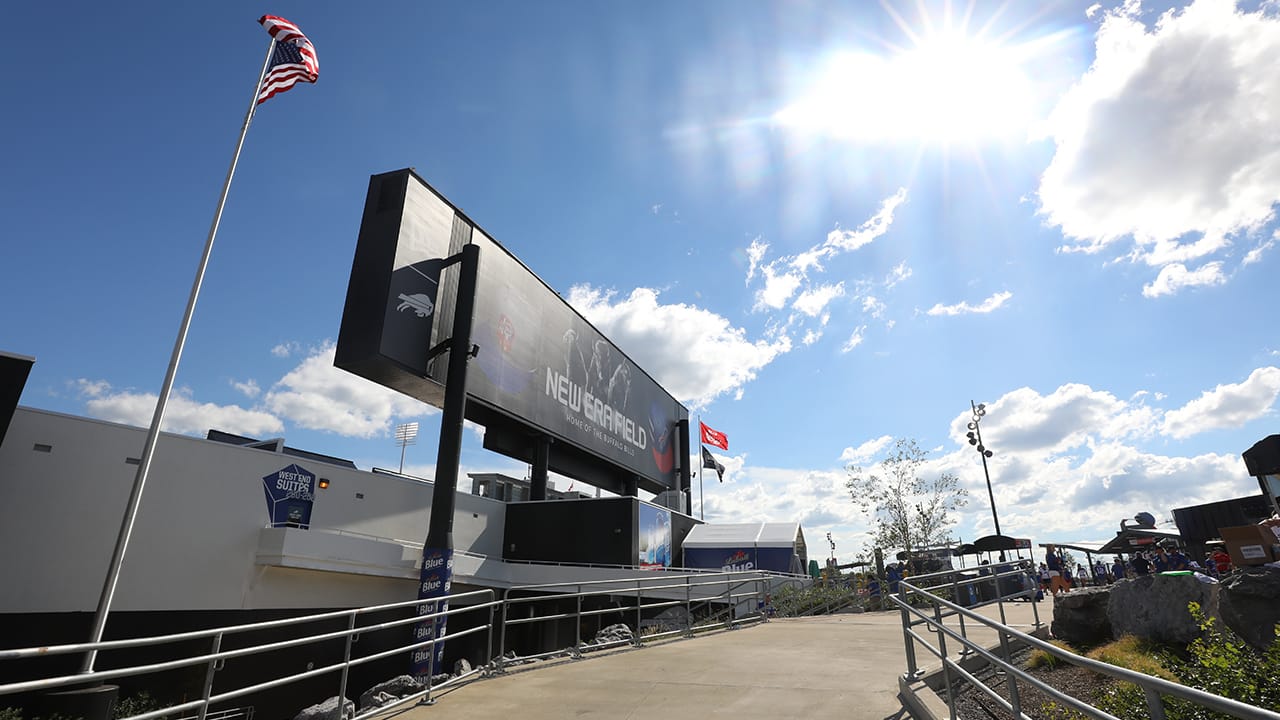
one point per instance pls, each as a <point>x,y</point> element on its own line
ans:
<point>821,227</point>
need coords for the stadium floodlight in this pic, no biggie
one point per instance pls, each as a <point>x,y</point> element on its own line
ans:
<point>406,434</point>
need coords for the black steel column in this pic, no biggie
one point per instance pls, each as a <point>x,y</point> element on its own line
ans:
<point>685,456</point>
<point>436,578</point>
<point>631,486</point>
<point>541,458</point>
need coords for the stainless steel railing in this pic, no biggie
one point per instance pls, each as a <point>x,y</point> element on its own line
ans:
<point>215,659</point>
<point>920,605</point>
<point>689,584</point>
<point>730,599</point>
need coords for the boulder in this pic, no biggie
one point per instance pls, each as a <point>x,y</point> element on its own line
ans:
<point>461,667</point>
<point>1080,616</point>
<point>330,709</point>
<point>385,692</point>
<point>614,633</point>
<point>1154,607</point>
<point>1249,602</point>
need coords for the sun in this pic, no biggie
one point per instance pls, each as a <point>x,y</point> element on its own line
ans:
<point>947,87</point>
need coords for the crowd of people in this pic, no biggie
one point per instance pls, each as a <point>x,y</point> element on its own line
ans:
<point>1056,576</point>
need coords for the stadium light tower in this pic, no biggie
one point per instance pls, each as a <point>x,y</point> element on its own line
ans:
<point>406,434</point>
<point>975,439</point>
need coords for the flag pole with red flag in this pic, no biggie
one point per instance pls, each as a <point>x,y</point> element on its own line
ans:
<point>279,73</point>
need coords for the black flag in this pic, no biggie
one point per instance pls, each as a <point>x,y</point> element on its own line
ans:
<point>709,461</point>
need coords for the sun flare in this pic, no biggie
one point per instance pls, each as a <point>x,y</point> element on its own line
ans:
<point>948,87</point>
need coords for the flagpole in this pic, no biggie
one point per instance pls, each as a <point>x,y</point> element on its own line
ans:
<point>702,500</point>
<point>153,432</point>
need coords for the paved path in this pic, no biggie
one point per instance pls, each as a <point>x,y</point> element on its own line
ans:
<point>838,666</point>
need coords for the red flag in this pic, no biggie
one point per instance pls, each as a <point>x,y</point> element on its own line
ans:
<point>293,60</point>
<point>714,437</point>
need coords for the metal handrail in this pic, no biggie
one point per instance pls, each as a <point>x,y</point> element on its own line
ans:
<point>217,657</point>
<point>731,588</point>
<point>1153,687</point>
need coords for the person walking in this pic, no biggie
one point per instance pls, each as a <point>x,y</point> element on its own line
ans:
<point>1054,562</point>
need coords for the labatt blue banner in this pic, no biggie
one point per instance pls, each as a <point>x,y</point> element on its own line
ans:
<point>435,580</point>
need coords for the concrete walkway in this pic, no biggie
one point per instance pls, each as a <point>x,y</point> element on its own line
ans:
<point>837,666</point>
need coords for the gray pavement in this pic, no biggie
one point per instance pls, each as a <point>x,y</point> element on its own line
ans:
<point>836,666</point>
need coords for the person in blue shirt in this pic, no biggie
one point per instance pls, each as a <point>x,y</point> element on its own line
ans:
<point>894,576</point>
<point>1117,569</point>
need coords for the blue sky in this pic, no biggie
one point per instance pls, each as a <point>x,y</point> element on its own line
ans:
<point>821,227</point>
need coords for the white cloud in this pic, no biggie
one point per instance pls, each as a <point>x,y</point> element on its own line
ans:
<point>1255,254</point>
<point>318,396</point>
<point>182,414</point>
<point>961,308</point>
<point>248,388</point>
<point>1168,138</point>
<point>695,354</point>
<point>866,452</point>
<point>1027,422</point>
<point>811,337</point>
<point>755,251</point>
<point>872,306</point>
<point>1226,406</point>
<point>1066,467</point>
<point>899,273</point>
<point>785,280</point>
<point>854,340</point>
<point>867,232</point>
<point>285,349</point>
<point>778,288</point>
<point>812,301</point>
<point>1173,278</point>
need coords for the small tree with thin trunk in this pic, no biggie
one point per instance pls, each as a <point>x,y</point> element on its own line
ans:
<point>910,511</point>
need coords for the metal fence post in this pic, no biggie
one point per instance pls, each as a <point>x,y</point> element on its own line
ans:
<point>1010,678</point>
<point>908,644</point>
<point>942,652</point>
<point>639,603</point>
<point>728,601</point>
<point>1155,706</point>
<point>346,667</point>
<point>955,597</point>
<point>208,676</point>
<point>688,606</point>
<point>577,627</point>
<point>489,635</point>
<point>502,636</point>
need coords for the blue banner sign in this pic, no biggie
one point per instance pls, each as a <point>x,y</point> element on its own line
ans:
<point>290,493</point>
<point>434,583</point>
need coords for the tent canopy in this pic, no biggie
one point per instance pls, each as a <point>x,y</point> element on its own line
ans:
<point>745,534</point>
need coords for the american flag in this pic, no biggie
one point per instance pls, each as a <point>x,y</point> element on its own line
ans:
<point>294,59</point>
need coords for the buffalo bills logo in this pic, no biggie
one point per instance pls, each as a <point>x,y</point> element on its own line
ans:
<point>506,333</point>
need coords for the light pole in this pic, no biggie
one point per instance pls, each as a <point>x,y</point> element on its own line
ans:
<point>975,439</point>
<point>406,434</point>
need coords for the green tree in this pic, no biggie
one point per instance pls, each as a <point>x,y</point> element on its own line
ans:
<point>910,511</point>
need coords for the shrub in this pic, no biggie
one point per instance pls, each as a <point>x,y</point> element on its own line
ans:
<point>1045,659</point>
<point>1134,654</point>
<point>1217,662</point>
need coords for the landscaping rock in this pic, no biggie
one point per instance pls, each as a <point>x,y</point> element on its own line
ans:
<point>614,633</point>
<point>1154,607</point>
<point>1249,601</point>
<point>330,709</point>
<point>462,667</point>
<point>1080,616</point>
<point>391,690</point>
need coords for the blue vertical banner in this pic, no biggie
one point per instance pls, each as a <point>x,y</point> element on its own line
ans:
<point>434,583</point>
<point>290,493</point>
